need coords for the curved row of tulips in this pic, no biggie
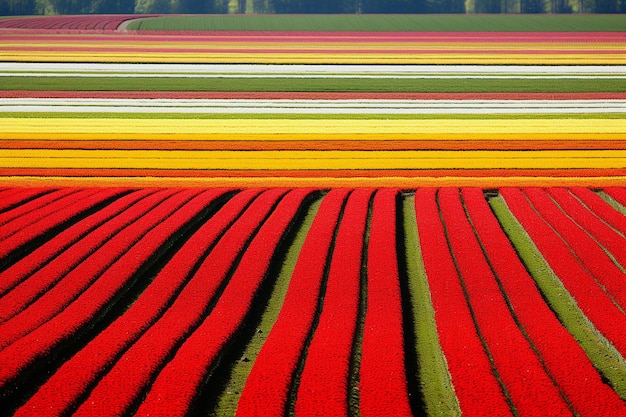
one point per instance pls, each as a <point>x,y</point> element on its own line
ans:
<point>130,301</point>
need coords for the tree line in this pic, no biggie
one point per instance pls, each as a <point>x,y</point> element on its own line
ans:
<point>51,7</point>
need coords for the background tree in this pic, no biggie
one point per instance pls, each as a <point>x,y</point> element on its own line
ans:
<point>487,6</point>
<point>532,6</point>
<point>196,6</point>
<point>113,6</point>
<point>17,7</point>
<point>390,6</point>
<point>29,7</point>
<point>447,6</point>
<point>606,6</point>
<point>153,6</point>
<point>560,6</point>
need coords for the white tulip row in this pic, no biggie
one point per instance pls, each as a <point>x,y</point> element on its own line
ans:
<point>308,71</point>
<point>297,106</point>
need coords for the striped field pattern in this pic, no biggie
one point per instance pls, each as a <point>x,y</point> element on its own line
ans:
<point>267,302</point>
<point>312,138</point>
<point>223,108</point>
<point>297,223</point>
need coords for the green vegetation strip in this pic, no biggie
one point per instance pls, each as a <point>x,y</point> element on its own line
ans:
<point>388,23</point>
<point>222,116</point>
<point>227,401</point>
<point>601,353</point>
<point>433,376</point>
<point>617,206</point>
<point>439,85</point>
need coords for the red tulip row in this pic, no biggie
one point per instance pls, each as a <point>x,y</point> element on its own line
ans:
<point>601,208</point>
<point>383,384</point>
<point>477,388</point>
<point>534,394</point>
<point>131,375</point>
<point>56,216</point>
<point>606,240</point>
<point>598,306</point>
<point>19,298</point>
<point>76,376</point>
<point>57,245</point>
<point>587,251</point>
<point>200,351</point>
<point>31,211</point>
<point>15,197</point>
<point>49,290</point>
<point>65,310</point>
<point>323,388</point>
<point>342,314</point>
<point>619,194</point>
<point>267,391</point>
<point>560,353</point>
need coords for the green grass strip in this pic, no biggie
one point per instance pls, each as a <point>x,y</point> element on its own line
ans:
<point>439,398</point>
<point>389,23</point>
<point>438,85</point>
<point>294,116</point>
<point>227,401</point>
<point>601,353</point>
<point>617,206</point>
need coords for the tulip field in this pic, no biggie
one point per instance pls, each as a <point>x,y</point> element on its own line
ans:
<point>313,216</point>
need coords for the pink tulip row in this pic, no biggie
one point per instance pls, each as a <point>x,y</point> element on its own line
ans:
<point>381,37</point>
<point>104,23</point>
<point>308,95</point>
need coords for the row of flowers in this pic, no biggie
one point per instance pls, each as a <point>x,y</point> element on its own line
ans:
<point>268,388</point>
<point>324,382</point>
<point>582,284</point>
<point>105,23</point>
<point>561,355</point>
<point>84,294</point>
<point>79,374</point>
<point>341,328</point>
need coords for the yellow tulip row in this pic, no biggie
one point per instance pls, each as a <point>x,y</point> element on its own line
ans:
<point>491,181</point>
<point>469,58</point>
<point>11,128</point>
<point>312,160</point>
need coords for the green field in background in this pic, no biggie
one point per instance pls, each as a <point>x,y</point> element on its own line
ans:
<point>388,23</point>
<point>456,85</point>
